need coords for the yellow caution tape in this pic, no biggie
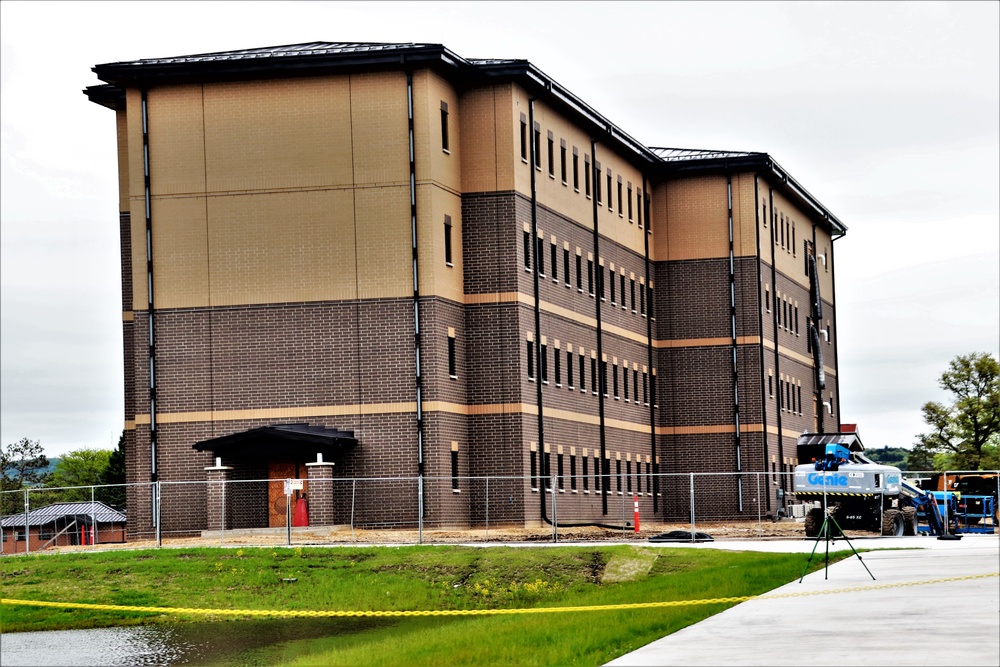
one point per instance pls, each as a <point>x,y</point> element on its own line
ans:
<point>276,613</point>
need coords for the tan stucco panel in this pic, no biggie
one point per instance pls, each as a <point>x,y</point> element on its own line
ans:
<point>436,277</point>
<point>264,135</point>
<point>433,163</point>
<point>180,252</point>
<point>176,140</point>
<point>380,132</point>
<point>282,247</point>
<point>480,129</point>
<point>383,242</point>
<point>695,222</point>
<point>121,127</point>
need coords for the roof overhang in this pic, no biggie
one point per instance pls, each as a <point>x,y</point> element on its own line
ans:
<point>282,440</point>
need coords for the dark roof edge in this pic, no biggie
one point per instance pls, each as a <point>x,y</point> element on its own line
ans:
<point>758,162</point>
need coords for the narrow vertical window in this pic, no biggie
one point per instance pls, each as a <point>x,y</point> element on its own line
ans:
<point>611,279</point>
<point>537,141</point>
<point>527,251</point>
<point>632,292</point>
<point>618,476</point>
<point>534,470</point>
<point>635,384</point>
<point>649,478</point>
<point>547,469</point>
<point>543,363</point>
<point>629,198</point>
<point>621,282</point>
<point>585,473</point>
<point>552,155</point>
<point>531,360</point>
<point>600,281</point>
<point>628,476</point>
<point>444,127</point>
<point>645,388</point>
<point>625,382</point>
<point>557,367</point>
<point>590,276</point>
<point>638,476</point>
<point>649,301</point>
<point>524,138</point>
<point>454,466</point>
<point>642,299</point>
<point>579,273</point>
<point>794,249</point>
<point>569,368</point>
<point>572,472</point>
<point>621,210</point>
<point>796,320</point>
<point>583,377</point>
<point>576,170</point>
<point>604,378</point>
<point>614,380</point>
<point>555,264</point>
<point>452,371</point>
<point>770,386</point>
<point>540,256</point>
<point>597,181</point>
<point>593,375</point>
<point>562,160</point>
<point>610,195</point>
<point>566,266</point>
<point>767,299</point>
<point>597,474</point>
<point>447,241</point>
<point>559,471</point>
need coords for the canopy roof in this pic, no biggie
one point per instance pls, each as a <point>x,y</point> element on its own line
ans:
<point>280,439</point>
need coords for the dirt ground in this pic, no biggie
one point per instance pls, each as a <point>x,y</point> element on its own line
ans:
<point>787,529</point>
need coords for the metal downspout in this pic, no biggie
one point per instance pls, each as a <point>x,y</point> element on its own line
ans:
<point>774,330</point>
<point>147,202</point>
<point>833,317</point>
<point>605,465</point>
<point>649,342</point>
<point>760,328</point>
<point>535,249</point>
<point>416,299</point>
<point>732,323</point>
<point>817,339</point>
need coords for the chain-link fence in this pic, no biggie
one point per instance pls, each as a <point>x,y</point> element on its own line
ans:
<point>617,506</point>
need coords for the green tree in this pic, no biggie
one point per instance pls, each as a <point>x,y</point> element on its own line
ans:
<point>968,427</point>
<point>114,474</point>
<point>22,464</point>
<point>79,468</point>
<point>891,456</point>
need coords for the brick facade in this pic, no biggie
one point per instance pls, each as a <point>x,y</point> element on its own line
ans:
<point>289,276</point>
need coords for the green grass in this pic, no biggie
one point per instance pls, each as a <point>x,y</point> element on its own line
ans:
<point>408,578</point>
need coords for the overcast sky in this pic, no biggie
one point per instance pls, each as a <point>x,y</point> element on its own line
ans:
<point>889,113</point>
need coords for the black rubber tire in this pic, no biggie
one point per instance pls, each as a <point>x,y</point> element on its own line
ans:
<point>814,521</point>
<point>892,523</point>
<point>909,520</point>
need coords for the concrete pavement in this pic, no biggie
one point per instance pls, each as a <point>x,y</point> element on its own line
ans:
<point>936,623</point>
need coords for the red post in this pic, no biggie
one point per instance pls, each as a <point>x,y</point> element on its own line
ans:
<point>636,498</point>
<point>83,534</point>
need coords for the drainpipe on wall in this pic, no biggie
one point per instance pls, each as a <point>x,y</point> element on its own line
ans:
<point>416,299</point>
<point>774,330</point>
<point>535,249</point>
<point>649,340</point>
<point>605,465</point>
<point>760,328</point>
<point>147,202</point>
<point>732,319</point>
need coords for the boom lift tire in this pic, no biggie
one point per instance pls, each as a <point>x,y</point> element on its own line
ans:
<point>909,520</point>
<point>814,521</point>
<point>892,523</point>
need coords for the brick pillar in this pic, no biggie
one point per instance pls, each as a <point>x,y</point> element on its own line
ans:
<point>320,492</point>
<point>217,477</point>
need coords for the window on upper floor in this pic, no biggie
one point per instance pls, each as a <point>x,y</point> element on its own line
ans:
<point>445,140</point>
<point>447,241</point>
<point>524,138</point>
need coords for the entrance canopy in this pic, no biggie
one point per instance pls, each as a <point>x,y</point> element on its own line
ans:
<point>291,440</point>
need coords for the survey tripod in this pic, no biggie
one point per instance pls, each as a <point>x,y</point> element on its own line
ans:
<point>831,463</point>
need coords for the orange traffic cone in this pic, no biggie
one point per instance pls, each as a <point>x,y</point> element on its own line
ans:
<point>301,513</point>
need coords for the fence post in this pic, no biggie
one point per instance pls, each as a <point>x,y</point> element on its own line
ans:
<point>354,491</point>
<point>157,498</point>
<point>288,512</point>
<point>93,520</point>
<point>222,539</point>
<point>555,521</point>
<point>760,526</point>
<point>487,510</point>
<point>621,485</point>
<point>27,535</point>
<point>420,509</point>
<point>692,506</point>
